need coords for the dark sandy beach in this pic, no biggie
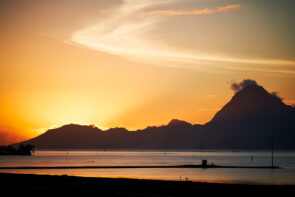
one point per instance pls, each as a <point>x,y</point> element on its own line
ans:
<point>49,184</point>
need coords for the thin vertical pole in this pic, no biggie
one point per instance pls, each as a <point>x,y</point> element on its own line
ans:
<point>201,152</point>
<point>272,150</point>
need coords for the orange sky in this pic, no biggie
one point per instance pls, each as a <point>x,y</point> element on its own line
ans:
<point>132,63</point>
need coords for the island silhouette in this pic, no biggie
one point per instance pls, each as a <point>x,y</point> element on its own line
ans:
<point>252,119</point>
<point>21,150</point>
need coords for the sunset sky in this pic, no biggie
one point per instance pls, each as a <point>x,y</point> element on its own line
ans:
<point>136,63</point>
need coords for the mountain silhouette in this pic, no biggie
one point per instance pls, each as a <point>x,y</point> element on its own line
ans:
<point>176,122</point>
<point>252,101</point>
<point>248,121</point>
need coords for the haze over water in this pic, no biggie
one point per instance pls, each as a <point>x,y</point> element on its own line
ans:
<point>285,160</point>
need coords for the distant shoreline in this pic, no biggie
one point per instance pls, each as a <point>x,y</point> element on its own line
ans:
<point>124,167</point>
<point>168,150</point>
<point>37,184</point>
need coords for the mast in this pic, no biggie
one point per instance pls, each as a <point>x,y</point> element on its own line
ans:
<point>272,150</point>
<point>201,152</point>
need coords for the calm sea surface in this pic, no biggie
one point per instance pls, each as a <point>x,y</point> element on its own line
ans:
<point>284,175</point>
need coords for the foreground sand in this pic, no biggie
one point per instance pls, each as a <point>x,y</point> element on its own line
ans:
<point>48,184</point>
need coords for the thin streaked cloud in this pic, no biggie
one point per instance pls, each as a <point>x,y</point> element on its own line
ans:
<point>204,11</point>
<point>128,34</point>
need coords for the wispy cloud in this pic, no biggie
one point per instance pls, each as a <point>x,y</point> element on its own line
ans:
<point>204,11</point>
<point>127,33</point>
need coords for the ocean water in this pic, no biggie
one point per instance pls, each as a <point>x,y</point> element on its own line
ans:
<point>281,176</point>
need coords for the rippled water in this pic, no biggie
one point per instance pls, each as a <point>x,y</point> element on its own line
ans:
<point>284,175</point>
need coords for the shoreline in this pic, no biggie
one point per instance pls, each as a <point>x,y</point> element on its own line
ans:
<point>124,167</point>
<point>33,183</point>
